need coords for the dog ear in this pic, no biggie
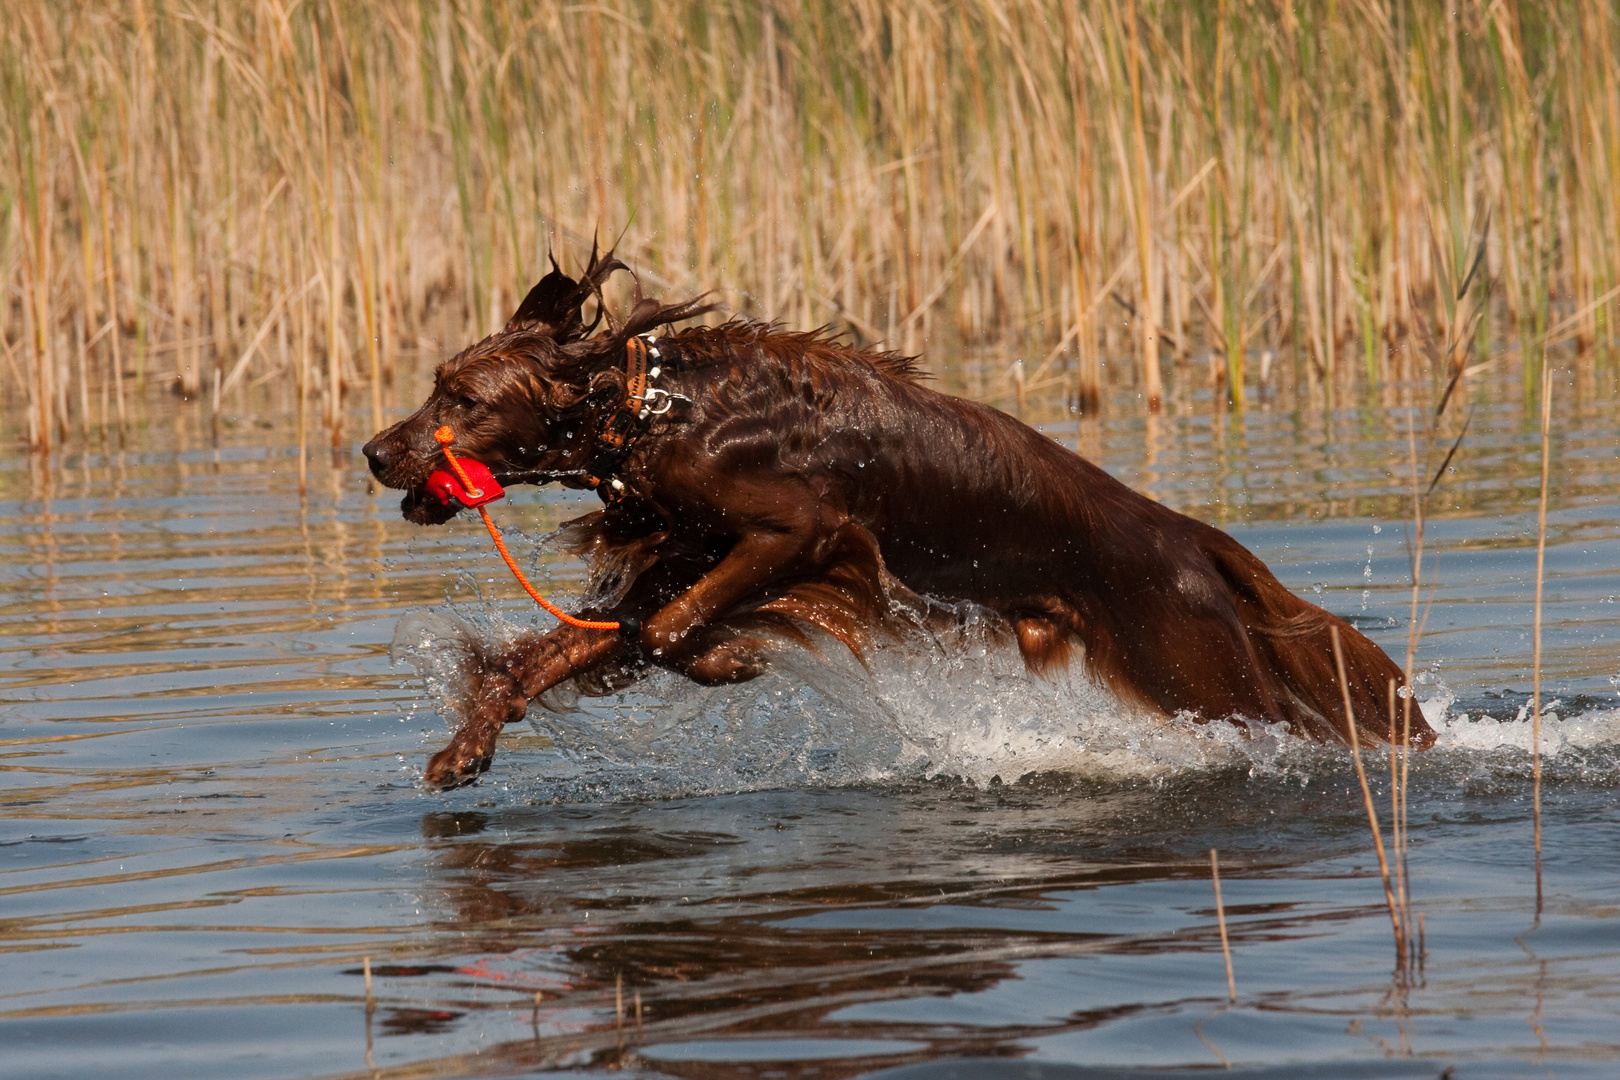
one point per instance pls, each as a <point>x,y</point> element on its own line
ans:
<point>555,306</point>
<point>597,271</point>
<point>550,306</point>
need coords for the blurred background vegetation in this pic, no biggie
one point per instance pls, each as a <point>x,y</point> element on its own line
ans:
<point>275,205</point>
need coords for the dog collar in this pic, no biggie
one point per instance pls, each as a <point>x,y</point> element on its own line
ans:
<point>644,361</point>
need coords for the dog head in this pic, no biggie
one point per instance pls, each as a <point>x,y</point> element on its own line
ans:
<point>528,400</point>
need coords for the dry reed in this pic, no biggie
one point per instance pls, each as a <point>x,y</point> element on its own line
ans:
<point>1535,676</point>
<point>1391,897</point>
<point>1220,917</point>
<point>256,193</point>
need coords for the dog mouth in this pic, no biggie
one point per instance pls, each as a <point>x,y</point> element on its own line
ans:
<point>424,508</point>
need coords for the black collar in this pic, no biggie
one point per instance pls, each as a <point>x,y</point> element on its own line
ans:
<point>645,360</point>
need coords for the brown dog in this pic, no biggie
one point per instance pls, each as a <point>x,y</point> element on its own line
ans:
<point>759,481</point>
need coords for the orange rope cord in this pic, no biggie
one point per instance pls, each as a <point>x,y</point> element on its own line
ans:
<point>500,545</point>
<point>445,437</point>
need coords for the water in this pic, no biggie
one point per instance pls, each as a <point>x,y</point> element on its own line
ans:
<point>212,820</point>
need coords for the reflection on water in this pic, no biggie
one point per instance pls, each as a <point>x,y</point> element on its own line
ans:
<point>211,822</point>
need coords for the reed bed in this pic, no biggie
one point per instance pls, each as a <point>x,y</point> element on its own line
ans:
<point>217,195</point>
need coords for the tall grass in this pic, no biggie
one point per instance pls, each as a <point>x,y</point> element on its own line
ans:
<point>217,194</point>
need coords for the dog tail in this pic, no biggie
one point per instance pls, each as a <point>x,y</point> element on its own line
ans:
<point>1294,640</point>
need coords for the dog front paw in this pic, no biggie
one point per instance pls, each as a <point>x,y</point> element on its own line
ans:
<point>457,765</point>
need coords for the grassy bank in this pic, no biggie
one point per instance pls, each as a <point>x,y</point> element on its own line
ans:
<point>238,193</point>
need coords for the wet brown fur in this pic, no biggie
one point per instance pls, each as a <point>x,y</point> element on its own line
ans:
<point>813,483</point>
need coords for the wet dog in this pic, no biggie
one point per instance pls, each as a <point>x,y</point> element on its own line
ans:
<point>757,483</point>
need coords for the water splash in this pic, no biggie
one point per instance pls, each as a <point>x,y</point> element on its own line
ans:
<point>1561,735</point>
<point>953,703</point>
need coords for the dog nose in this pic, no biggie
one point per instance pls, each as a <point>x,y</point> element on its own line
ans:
<point>377,455</point>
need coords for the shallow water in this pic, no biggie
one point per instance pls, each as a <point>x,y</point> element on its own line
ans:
<point>212,821</point>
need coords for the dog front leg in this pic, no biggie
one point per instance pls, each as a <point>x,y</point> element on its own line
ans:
<point>670,637</point>
<point>508,684</point>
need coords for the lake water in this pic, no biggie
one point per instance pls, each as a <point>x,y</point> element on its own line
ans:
<point>211,741</point>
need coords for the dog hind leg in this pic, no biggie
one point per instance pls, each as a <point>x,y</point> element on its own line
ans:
<point>1215,675</point>
<point>1294,638</point>
<point>1045,641</point>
